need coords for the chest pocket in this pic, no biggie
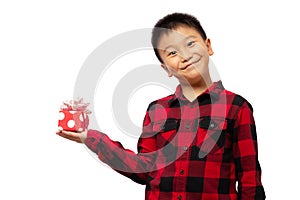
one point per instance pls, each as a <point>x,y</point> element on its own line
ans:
<point>165,130</point>
<point>165,125</point>
<point>213,131</point>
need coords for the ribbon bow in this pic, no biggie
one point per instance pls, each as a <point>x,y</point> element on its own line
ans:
<point>77,105</point>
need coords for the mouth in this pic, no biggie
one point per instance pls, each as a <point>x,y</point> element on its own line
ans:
<point>188,65</point>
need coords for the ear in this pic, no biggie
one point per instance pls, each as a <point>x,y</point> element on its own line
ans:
<point>209,48</point>
<point>166,69</point>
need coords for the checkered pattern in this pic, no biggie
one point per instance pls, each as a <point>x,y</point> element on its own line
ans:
<point>191,150</point>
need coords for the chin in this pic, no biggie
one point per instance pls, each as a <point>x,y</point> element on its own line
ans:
<point>191,80</point>
<point>194,76</point>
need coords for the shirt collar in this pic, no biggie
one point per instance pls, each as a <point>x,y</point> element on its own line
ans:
<point>213,92</point>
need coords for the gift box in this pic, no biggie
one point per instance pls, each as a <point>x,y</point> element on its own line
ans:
<point>73,116</point>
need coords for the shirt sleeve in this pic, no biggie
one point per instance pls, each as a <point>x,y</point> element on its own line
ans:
<point>245,152</point>
<point>125,161</point>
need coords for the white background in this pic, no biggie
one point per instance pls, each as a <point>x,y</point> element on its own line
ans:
<point>44,44</point>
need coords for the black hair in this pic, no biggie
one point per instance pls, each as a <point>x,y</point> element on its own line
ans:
<point>171,22</point>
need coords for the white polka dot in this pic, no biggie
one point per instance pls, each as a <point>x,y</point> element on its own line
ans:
<point>71,123</point>
<point>80,129</point>
<point>60,128</point>
<point>61,116</point>
<point>72,111</point>
<point>81,118</point>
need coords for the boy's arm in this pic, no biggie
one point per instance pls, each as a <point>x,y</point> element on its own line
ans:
<point>246,156</point>
<point>126,162</point>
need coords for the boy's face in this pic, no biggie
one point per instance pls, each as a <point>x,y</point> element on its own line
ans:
<point>185,54</point>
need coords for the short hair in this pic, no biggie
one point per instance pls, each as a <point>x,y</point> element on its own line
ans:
<point>171,22</point>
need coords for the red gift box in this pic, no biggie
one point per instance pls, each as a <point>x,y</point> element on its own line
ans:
<point>73,116</point>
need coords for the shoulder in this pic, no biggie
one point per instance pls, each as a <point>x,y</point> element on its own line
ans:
<point>236,100</point>
<point>164,102</point>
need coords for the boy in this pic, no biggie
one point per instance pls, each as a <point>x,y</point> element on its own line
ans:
<point>197,143</point>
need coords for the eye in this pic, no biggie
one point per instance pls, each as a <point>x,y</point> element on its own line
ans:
<point>189,44</point>
<point>172,53</point>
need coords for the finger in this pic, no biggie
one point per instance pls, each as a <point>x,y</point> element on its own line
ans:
<point>70,138</point>
<point>79,136</point>
<point>69,135</point>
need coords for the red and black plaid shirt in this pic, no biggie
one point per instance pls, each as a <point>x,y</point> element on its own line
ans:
<point>191,150</point>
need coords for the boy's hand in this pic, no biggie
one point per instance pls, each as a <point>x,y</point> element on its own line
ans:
<point>74,136</point>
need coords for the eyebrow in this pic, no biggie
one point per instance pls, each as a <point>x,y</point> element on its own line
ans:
<point>186,38</point>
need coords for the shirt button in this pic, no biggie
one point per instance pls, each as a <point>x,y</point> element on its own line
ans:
<point>187,126</point>
<point>185,148</point>
<point>181,172</point>
<point>179,197</point>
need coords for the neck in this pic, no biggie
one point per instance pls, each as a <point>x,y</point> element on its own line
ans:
<point>192,91</point>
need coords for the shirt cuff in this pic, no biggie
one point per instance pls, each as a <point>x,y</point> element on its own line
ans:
<point>93,139</point>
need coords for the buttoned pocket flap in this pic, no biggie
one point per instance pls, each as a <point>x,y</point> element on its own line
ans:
<point>211,123</point>
<point>165,125</point>
<point>215,135</point>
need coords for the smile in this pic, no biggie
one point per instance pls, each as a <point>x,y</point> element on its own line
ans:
<point>189,64</point>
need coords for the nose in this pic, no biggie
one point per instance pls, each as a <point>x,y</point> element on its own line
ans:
<point>185,55</point>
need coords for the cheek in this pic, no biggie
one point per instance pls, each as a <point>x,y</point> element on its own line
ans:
<point>201,50</point>
<point>172,62</point>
